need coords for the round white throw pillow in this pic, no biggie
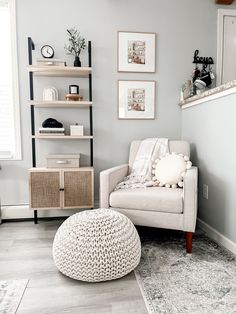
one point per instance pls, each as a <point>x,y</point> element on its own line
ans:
<point>170,170</point>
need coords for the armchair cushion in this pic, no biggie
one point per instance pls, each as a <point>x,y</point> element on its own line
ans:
<point>159,199</point>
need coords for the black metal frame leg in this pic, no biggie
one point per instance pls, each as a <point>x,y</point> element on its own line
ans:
<point>35,217</point>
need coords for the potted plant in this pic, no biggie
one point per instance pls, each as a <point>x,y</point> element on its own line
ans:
<point>76,45</point>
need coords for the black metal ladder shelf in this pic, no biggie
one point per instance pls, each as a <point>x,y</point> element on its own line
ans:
<point>31,47</point>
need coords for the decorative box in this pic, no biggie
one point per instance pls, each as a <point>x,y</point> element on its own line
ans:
<point>63,160</point>
<point>77,130</point>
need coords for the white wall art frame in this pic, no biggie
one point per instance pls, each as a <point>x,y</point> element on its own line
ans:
<point>136,52</point>
<point>136,99</point>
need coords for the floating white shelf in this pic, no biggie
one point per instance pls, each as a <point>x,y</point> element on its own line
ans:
<point>63,137</point>
<point>59,71</point>
<point>61,104</point>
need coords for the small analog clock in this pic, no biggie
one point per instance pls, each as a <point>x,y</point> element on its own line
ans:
<point>47,51</point>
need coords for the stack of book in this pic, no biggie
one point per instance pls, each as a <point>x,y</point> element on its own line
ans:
<point>51,131</point>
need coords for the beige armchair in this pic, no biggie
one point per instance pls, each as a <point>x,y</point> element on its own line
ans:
<point>158,207</point>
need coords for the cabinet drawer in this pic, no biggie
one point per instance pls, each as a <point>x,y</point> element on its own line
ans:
<point>62,161</point>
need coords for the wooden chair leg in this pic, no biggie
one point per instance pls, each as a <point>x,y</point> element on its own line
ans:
<point>189,241</point>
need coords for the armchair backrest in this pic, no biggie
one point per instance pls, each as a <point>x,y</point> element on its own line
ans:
<point>179,147</point>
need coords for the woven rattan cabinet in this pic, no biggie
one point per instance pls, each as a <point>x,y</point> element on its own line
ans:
<point>61,188</point>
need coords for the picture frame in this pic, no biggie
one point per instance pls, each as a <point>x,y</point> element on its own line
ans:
<point>136,52</point>
<point>136,99</point>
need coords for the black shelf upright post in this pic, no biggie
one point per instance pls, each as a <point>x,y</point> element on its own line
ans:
<point>31,47</point>
<point>90,99</point>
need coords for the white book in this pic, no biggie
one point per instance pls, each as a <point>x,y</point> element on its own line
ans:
<point>50,134</point>
<point>51,62</point>
<point>52,129</point>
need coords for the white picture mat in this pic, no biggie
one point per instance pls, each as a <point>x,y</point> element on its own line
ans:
<point>150,44</point>
<point>123,87</point>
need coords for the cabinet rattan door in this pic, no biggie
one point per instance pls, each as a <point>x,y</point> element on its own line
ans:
<point>78,189</point>
<point>45,189</point>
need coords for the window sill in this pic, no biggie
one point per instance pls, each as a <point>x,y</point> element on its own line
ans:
<point>11,158</point>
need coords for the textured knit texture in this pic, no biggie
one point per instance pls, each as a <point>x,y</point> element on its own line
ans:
<point>96,245</point>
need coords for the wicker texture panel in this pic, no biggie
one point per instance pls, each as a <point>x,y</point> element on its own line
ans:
<point>96,245</point>
<point>45,189</point>
<point>78,188</point>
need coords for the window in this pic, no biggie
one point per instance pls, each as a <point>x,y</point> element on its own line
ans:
<point>10,146</point>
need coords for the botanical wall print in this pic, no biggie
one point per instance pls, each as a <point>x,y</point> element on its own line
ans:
<point>136,99</point>
<point>136,52</point>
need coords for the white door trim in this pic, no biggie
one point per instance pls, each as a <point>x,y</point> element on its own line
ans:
<point>220,38</point>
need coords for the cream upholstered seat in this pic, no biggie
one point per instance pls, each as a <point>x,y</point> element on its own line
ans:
<point>154,199</point>
<point>156,206</point>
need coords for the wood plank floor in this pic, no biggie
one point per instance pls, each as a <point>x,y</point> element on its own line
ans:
<point>26,253</point>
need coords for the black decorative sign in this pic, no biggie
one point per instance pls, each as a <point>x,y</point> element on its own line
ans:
<point>202,60</point>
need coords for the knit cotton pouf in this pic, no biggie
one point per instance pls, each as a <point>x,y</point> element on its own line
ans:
<point>96,245</point>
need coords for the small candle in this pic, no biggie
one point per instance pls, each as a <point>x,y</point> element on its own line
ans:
<point>73,89</point>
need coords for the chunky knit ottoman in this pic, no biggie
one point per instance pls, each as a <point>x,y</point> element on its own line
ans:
<point>96,245</point>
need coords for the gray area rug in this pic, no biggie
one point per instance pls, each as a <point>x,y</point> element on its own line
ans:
<point>11,292</point>
<point>172,281</point>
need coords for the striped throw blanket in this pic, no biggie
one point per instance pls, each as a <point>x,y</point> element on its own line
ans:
<point>141,174</point>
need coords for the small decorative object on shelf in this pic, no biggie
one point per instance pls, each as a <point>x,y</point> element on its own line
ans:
<point>51,127</point>
<point>74,97</point>
<point>52,123</point>
<point>201,77</point>
<point>74,89</point>
<point>76,45</point>
<point>52,62</point>
<point>77,129</point>
<point>47,52</point>
<point>50,94</point>
<point>74,93</point>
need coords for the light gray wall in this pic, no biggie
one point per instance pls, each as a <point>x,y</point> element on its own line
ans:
<point>181,26</point>
<point>210,128</point>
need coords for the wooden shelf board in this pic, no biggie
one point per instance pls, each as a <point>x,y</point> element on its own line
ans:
<point>61,104</point>
<point>63,137</point>
<point>59,71</point>
<point>45,169</point>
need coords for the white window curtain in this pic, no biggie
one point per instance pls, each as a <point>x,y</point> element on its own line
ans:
<point>10,146</point>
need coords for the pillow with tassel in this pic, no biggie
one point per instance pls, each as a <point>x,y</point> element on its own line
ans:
<point>169,171</point>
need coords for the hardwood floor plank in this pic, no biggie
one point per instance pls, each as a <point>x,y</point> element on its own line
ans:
<point>26,252</point>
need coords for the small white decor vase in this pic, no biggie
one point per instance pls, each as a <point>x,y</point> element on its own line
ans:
<point>50,94</point>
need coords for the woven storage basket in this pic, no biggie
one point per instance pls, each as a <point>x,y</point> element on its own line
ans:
<point>96,245</point>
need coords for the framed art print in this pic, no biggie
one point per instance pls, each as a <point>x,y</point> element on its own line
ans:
<point>136,52</point>
<point>136,99</point>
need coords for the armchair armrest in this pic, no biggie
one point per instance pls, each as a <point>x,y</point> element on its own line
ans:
<point>108,180</point>
<point>190,199</point>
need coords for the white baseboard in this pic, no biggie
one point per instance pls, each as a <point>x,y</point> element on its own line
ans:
<point>217,236</point>
<point>23,212</point>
